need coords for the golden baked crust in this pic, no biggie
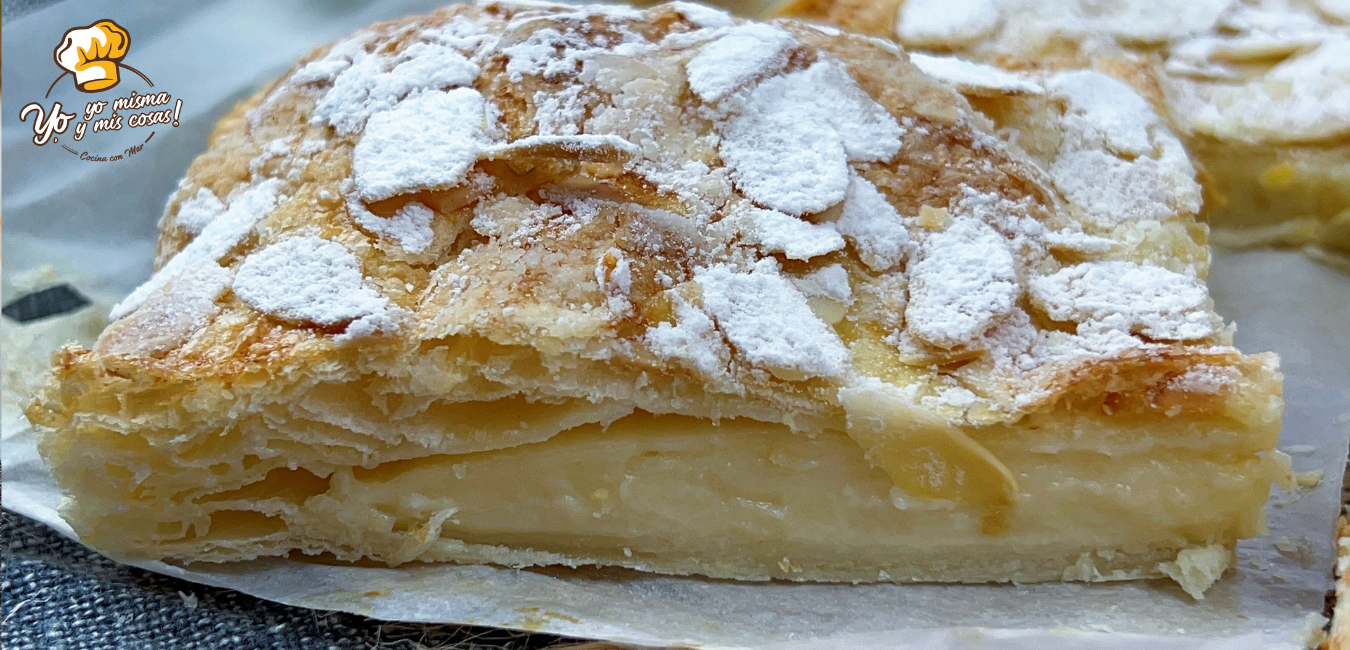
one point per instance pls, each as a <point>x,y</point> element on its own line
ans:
<point>1257,89</point>
<point>660,289</point>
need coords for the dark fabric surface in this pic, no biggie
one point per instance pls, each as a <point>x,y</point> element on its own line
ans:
<point>58,595</point>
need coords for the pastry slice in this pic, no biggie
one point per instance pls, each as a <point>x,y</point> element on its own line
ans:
<point>1259,90</point>
<point>665,290</point>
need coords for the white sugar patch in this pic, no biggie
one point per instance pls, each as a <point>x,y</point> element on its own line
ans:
<point>789,148</point>
<point>1113,190</point>
<point>829,94</point>
<point>830,282</point>
<point>965,278</point>
<point>246,209</point>
<point>308,280</point>
<point>410,226</point>
<point>464,34</point>
<point>551,54</point>
<point>334,61</point>
<point>576,145</point>
<point>427,142</point>
<point>769,322</point>
<point>776,232</point>
<point>1104,111</point>
<point>195,213</point>
<point>172,315</point>
<point>279,148</point>
<point>973,78</point>
<point>546,52</point>
<point>1080,242</point>
<point>946,23</point>
<point>376,83</point>
<point>579,13</point>
<point>194,293</point>
<point>1205,379</point>
<point>745,52</point>
<point>614,274</point>
<point>703,15</point>
<point>561,112</point>
<point>1117,163</point>
<point>950,396</point>
<point>692,339</point>
<point>1148,300</point>
<point>786,163</point>
<point>871,223</point>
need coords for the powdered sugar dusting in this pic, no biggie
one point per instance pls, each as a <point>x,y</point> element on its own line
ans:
<point>973,78</point>
<point>1116,162</point>
<point>692,339</point>
<point>703,15</point>
<point>1204,379</point>
<point>560,112</point>
<point>195,213</point>
<point>308,279</point>
<point>246,209</point>
<point>788,149</point>
<point>1080,242</point>
<point>786,162</point>
<point>769,322</point>
<point>410,226</point>
<point>334,61</point>
<point>576,145</point>
<point>427,142</point>
<point>827,282</point>
<point>871,223</point>
<point>946,22</point>
<point>551,53</point>
<point>782,176</point>
<point>464,34</point>
<point>965,278</point>
<point>743,53</point>
<point>614,274</point>
<point>1112,190</point>
<point>374,83</point>
<point>1105,112</point>
<point>1148,300</point>
<point>776,232</point>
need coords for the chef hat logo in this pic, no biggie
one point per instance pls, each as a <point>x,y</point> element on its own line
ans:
<point>92,54</point>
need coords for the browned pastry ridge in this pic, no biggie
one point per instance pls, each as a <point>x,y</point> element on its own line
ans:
<point>666,290</point>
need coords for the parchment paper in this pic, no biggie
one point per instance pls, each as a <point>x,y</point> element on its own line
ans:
<point>93,224</point>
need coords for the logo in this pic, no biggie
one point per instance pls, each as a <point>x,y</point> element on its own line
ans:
<point>93,57</point>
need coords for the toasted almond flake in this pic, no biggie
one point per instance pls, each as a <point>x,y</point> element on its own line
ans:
<point>427,142</point>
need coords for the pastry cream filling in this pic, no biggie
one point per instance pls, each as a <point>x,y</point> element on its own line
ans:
<point>741,495</point>
<point>670,487</point>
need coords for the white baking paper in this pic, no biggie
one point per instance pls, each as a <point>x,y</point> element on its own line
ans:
<point>93,224</point>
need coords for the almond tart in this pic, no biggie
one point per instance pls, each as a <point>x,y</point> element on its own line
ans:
<point>662,289</point>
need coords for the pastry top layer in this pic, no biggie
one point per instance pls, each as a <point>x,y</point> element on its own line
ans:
<point>1246,70</point>
<point>771,213</point>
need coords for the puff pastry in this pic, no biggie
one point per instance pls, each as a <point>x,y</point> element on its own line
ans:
<point>660,289</point>
<point>1259,89</point>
